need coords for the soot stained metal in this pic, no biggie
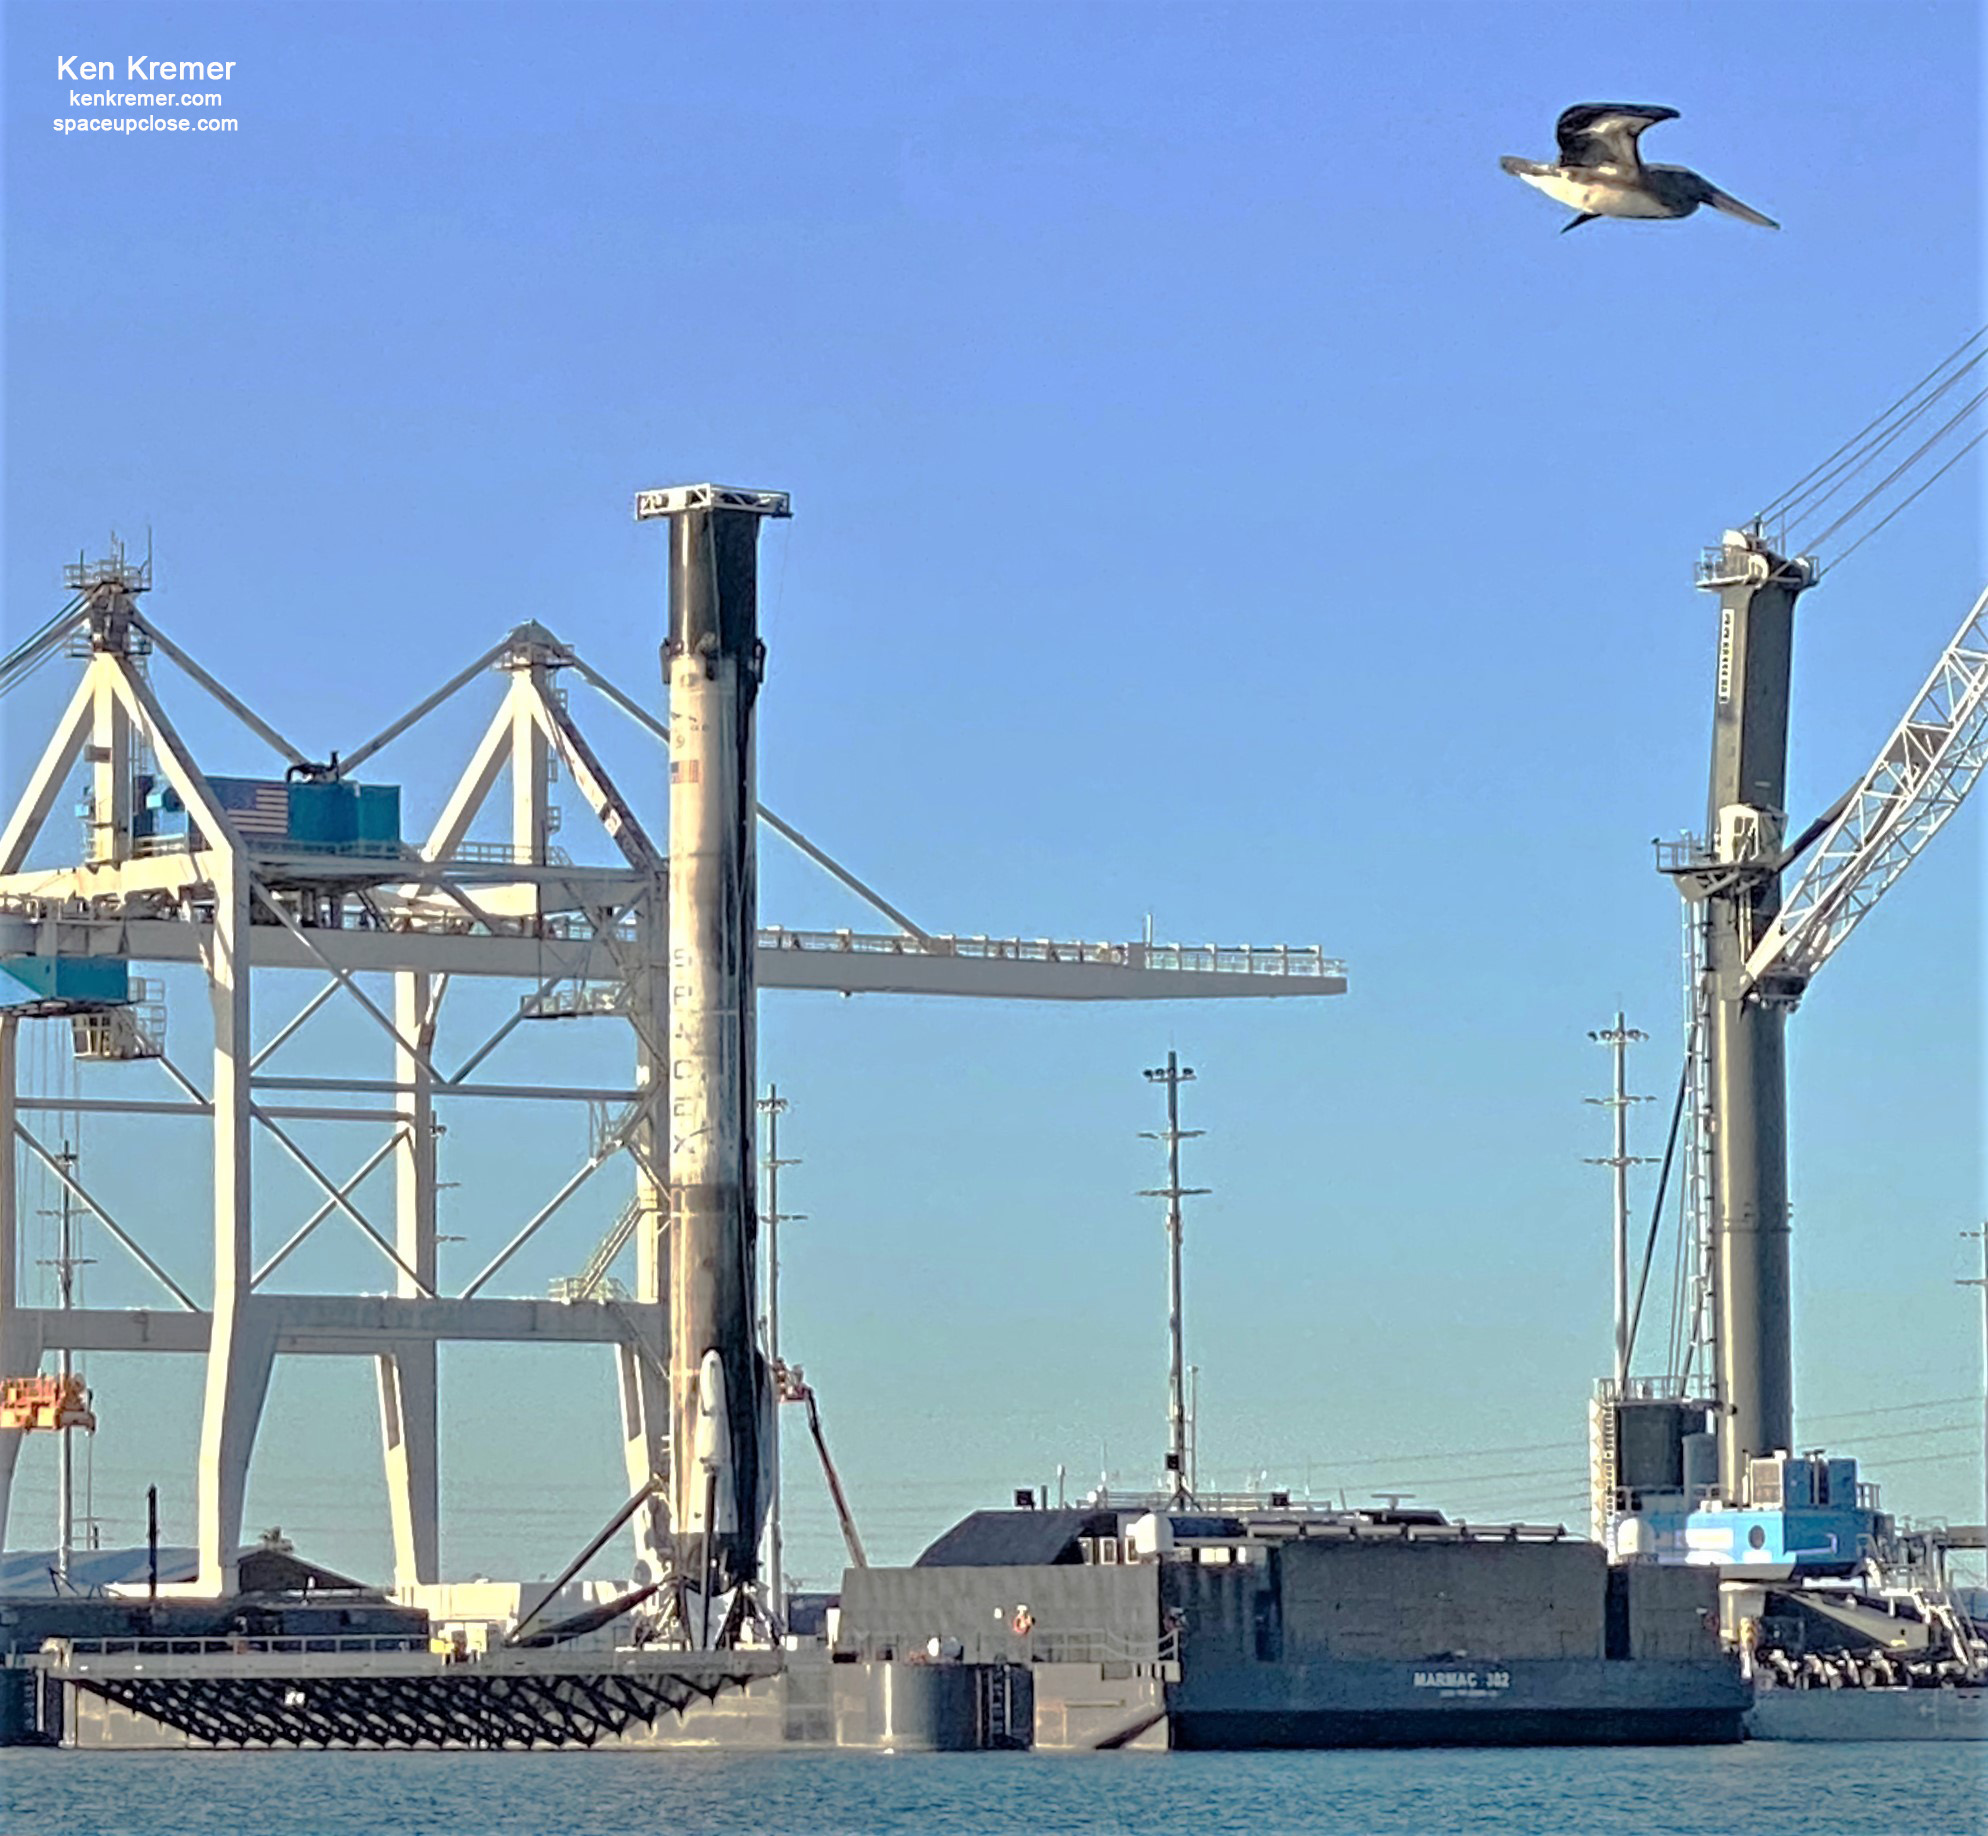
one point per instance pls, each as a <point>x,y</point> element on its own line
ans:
<point>720,1395</point>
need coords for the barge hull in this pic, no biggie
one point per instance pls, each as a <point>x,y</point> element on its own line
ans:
<point>1512,1728</point>
<point>1869,1714</point>
<point>1568,1703</point>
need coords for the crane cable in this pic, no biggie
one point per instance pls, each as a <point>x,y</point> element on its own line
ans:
<point>1806,499</point>
<point>1864,432</point>
<point>1657,1209</point>
<point>1802,510</point>
<point>1905,465</point>
<point>32,652</point>
<point>1936,477</point>
<point>1681,1346</point>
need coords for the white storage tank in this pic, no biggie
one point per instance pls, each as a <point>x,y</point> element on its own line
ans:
<point>1149,1537</point>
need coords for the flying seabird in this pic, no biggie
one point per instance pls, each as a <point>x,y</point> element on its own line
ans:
<point>1600,173</point>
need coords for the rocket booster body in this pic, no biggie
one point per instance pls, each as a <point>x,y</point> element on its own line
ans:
<point>720,1398</point>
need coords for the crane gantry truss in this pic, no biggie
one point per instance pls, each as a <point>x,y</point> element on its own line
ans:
<point>585,940</point>
<point>1917,781</point>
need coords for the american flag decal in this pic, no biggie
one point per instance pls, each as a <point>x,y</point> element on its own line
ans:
<point>686,771</point>
<point>256,806</point>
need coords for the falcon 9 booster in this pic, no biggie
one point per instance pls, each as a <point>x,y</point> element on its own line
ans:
<point>721,1419</point>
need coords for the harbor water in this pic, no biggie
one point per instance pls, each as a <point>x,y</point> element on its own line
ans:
<point>1765,1789</point>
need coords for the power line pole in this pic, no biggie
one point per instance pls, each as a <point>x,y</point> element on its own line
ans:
<point>773,1106</point>
<point>65,1262</point>
<point>1618,1039</point>
<point>1193,1429</point>
<point>1981,1281</point>
<point>1173,1075</point>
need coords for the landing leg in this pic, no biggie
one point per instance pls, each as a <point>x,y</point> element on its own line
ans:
<point>408,1428</point>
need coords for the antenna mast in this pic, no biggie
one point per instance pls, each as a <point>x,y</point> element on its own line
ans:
<point>773,1106</point>
<point>1173,1074</point>
<point>65,1263</point>
<point>1618,1039</point>
<point>1981,1281</point>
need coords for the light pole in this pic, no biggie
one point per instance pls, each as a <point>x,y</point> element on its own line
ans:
<point>1618,1039</point>
<point>1173,1074</point>
<point>65,1262</point>
<point>1193,1428</point>
<point>1981,1281</point>
<point>773,1106</point>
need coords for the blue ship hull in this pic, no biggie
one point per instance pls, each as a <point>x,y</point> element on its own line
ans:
<point>1527,1703</point>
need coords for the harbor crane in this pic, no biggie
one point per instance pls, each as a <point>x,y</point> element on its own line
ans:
<point>226,879</point>
<point>1699,1465</point>
<point>1763,944</point>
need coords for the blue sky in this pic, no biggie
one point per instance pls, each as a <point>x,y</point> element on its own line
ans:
<point>1219,494</point>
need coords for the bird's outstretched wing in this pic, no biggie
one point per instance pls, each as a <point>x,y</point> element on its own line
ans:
<point>1604,133</point>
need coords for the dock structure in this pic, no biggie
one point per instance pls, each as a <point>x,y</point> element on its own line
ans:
<point>328,1692</point>
<point>310,867</point>
<point>1115,1624</point>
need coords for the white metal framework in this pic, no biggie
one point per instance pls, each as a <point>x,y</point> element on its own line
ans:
<point>672,500</point>
<point>1915,784</point>
<point>232,898</point>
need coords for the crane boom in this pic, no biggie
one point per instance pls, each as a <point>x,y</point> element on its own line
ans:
<point>851,1540</point>
<point>1917,781</point>
<point>794,1387</point>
